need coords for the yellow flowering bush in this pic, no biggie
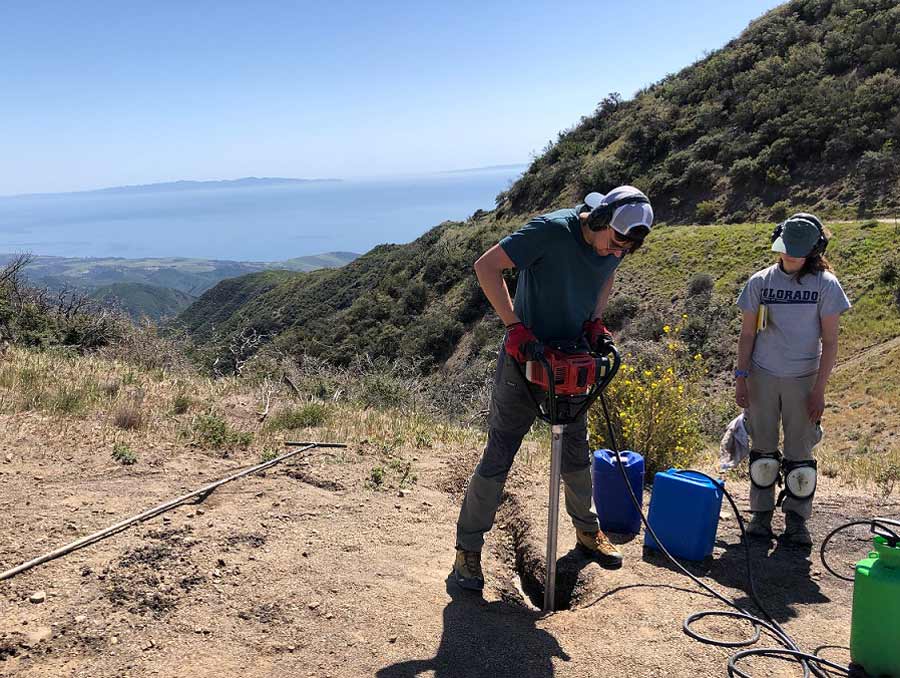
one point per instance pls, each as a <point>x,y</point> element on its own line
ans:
<point>654,406</point>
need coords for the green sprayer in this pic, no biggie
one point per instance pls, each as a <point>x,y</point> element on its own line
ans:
<point>875,624</point>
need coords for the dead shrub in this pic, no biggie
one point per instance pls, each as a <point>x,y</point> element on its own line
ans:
<point>129,414</point>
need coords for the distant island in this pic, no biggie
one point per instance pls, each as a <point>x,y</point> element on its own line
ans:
<point>184,185</point>
<point>487,168</point>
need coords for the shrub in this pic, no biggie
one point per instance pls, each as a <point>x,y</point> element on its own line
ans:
<point>110,388</point>
<point>619,310</point>
<point>181,403</point>
<point>700,283</point>
<point>305,416</point>
<point>706,211</point>
<point>888,272</point>
<point>69,399</point>
<point>211,431</point>
<point>654,407</point>
<point>647,326</point>
<point>268,455</point>
<point>376,477</point>
<point>779,211</point>
<point>123,454</point>
<point>128,415</point>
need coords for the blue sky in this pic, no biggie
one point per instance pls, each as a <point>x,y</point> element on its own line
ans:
<point>99,94</point>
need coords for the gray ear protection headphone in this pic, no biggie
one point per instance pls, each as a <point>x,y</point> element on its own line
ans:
<point>821,244</point>
<point>603,214</point>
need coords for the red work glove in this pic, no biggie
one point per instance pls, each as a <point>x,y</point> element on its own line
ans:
<point>596,334</point>
<point>520,342</point>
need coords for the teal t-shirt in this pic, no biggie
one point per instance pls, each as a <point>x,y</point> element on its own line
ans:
<point>560,275</point>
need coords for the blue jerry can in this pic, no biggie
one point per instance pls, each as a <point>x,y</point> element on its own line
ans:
<point>684,513</point>
<point>615,509</point>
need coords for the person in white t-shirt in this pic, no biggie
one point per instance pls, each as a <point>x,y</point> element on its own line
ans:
<point>786,351</point>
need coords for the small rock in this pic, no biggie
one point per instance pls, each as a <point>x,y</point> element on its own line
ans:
<point>80,618</point>
<point>9,459</point>
<point>427,503</point>
<point>291,648</point>
<point>392,639</point>
<point>37,597</point>
<point>403,492</point>
<point>221,562</point>
<point>147,646</point>
<point>305,554</point>
<point>200,511</point>
<point>329,616</point>
<point>314,605</point>
<point>396,506</point>
<point>114,641</point>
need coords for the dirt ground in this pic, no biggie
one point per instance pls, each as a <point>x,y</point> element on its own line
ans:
<point>309,570</point>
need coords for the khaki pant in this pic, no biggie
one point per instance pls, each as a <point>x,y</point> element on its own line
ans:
<point>513,411</point>
<point>780,399</point>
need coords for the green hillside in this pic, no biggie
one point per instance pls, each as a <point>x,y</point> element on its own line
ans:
<point>192,276</point>
<point>139,300</point>
<point>797,112</point>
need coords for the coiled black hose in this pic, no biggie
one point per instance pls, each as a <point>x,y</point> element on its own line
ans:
<point>811,663</point>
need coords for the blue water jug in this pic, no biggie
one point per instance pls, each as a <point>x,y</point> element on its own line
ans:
<point>684,513</point>
<point>615,509</point>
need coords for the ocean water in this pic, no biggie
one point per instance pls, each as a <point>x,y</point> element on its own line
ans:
<point>268,223</point>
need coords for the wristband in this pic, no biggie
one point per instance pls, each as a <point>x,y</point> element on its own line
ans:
<point>741,373</point>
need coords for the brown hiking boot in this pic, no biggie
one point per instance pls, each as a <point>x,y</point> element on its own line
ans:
<point>599,546</point>
<point>795,530</point>
<point>760,525</point>
<point>467,570</point>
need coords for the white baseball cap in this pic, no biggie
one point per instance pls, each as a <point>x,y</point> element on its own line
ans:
<point>626,216</point>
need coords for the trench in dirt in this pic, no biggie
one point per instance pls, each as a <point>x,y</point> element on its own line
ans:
<point>524,555</point>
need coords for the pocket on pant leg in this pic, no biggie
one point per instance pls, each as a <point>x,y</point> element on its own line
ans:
<point>512,404</point>
<point>576,450</point>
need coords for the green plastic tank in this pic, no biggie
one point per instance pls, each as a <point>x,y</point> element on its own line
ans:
<point>875,625</point>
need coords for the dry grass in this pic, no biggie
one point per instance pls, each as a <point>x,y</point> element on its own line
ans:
<point>151,407</point>
<point>108,402</point>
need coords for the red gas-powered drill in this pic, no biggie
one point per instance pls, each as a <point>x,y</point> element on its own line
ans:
<point>574,373</point>
<point>573,377</point>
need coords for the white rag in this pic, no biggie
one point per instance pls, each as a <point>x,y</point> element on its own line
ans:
<point>735,445</point>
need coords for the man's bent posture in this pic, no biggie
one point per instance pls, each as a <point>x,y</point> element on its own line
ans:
<point>567,261</point>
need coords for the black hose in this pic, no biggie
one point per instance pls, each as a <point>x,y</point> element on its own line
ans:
<point>809,662</point>
<point>873,524</point>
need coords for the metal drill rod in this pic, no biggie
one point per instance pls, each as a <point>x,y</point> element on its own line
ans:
<point>556,442</point>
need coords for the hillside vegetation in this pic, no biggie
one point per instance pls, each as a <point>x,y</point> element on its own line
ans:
<point>797,112</point>
<point>801,109</point>
<point>139,300</point>
<point>192,276</point>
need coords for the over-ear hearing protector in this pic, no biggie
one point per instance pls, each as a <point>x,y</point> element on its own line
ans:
<point>821,244</point>
<point>603,214</point>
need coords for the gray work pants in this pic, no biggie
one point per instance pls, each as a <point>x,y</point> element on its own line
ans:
<point>512,413</point>
<point>772,399</point>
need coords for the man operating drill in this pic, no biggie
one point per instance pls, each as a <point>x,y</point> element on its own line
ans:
<point>566,261</point>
